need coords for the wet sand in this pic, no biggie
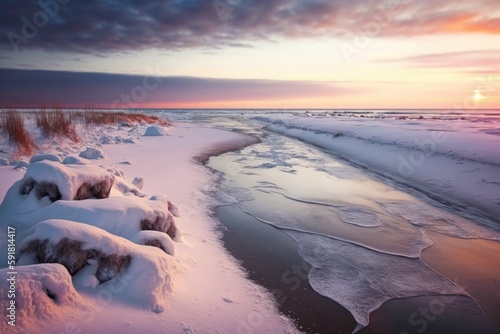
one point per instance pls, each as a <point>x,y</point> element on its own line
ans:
<point>272,260</point>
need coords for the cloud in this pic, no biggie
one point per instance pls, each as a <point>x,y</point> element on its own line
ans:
<point>479,60</point>
<point>35,88</point>
<point>96,26</point>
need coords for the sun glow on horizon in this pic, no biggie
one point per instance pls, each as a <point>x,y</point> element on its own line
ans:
<point>478,96</point>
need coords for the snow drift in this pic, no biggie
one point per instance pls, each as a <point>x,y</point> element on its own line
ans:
<point>89,226</point>
<point>43,292</point>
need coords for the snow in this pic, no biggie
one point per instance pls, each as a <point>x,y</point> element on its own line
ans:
<point>148,275</point>
<point>4,162</point>
<point>92,153</point>
<point>47,156</point>
<point>21,164</point>
<point>44,293</point>
<point>73,160</point>
<point>69,179</point>
<point>154,131</point>
<point>153,237</point>
<point>456,160</point>
<point>171,280</point>
<point>138,181</point>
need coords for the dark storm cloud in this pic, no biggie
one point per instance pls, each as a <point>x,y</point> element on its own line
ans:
<point>97,26</point>
<point>35,88</point>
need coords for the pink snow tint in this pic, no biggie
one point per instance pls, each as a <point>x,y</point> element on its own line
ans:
<point>148,274</point>
<point>63,214</point>
<point>202,270</point>
<point>43,293</point>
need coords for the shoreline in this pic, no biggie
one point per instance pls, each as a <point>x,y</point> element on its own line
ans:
<point>267,266</point>
<point>179,169</point>
<point>258,245</point>
<point>225,147</point>
<point>211,291</point>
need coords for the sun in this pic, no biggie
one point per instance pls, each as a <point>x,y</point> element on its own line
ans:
<point>477,95</point>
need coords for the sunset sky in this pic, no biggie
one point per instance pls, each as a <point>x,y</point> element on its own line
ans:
<point>251,53</point>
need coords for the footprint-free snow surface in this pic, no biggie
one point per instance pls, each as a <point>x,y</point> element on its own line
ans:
<point>89,226</point>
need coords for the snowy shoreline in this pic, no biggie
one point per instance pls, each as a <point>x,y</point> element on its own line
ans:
<point>454,162</point>
<point>209,290</point>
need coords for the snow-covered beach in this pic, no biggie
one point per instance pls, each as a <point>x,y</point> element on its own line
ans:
<point>373,207</point>
<point>201,287</point>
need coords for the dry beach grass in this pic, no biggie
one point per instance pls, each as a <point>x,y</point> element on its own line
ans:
<point>56,123</point>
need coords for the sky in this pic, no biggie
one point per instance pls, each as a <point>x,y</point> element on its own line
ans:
<point>279,54</point>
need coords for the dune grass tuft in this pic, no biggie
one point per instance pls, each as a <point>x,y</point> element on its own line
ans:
<point>56,124</point>
<point>60,124</point>
<point>93,117</point>
<point>13,130</point>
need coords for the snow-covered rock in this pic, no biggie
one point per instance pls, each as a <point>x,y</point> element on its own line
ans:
<point>154,131</point>
<point>86,226</point>
<point>155,239</point>
<point>172,208</point>
<point>47,156</point>
<point>92,153</point>
<point>123,216</point>
<point>67,182</point>
<point>21,164</point>
<point>72,160</point>
<point>148,270</point>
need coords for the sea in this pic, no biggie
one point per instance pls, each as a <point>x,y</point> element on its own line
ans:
<point>343,247</point>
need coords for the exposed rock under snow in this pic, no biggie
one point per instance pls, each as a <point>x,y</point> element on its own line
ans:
<point>67,182</point>
<point>73,244</point>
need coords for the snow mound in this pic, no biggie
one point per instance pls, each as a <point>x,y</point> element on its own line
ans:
<point>172,208</point>
<point>147,269</point>
<point>60,218</point>
<point>42,291</point>
<point>92,153</point>
<point>72,160</point>
<point>42,157</point>
<point>66,182</point>
<point>21,164</point>
<point>155,239</point>
<point>154,131</point>
<point>138,182</point>
<point>123,216</point>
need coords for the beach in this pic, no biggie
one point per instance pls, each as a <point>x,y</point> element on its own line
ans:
<point>287,222</point>
<point>211,291</point>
